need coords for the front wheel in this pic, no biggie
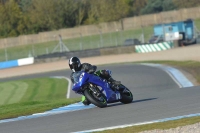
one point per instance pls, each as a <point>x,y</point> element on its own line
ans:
<point>126,95</point>
<point>99,101</point>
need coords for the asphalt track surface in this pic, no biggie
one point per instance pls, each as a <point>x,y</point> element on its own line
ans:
<point>156,96</point>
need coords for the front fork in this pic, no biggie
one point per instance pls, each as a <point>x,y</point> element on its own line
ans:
<point>96,92</point>
<point>97,73</point>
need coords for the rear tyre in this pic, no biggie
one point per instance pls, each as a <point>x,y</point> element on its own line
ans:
<point>99,101</point>
<point>126,95</point>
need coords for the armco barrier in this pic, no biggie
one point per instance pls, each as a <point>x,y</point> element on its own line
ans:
<point>8,64</point>
<point>85,53</point>
<point>153,47</point>
<point>66,55</point>
<point>15,63</point>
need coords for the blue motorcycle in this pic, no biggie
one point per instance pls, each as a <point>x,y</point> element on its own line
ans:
<point>99,91</point>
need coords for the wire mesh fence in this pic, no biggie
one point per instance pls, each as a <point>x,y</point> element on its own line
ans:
<point>100,40</point>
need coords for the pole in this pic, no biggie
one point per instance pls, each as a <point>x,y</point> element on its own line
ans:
<point>60,43</point>
<point>121,36</point>
<point>6,54</point>
<point>117,37</point>
<point>142,34</point>
<point>81,45</point>
<point>47,51</point>
<point>111,41</point>
<point>101,39</point>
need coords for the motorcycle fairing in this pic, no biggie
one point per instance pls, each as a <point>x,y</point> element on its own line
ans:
<point>83,78</point>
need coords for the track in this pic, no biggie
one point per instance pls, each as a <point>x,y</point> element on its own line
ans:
<point>156,96</point>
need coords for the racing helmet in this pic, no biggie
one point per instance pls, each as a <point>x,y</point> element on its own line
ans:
<point>74,64</point>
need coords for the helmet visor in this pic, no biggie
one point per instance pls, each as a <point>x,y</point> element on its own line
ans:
<point>75,66</point>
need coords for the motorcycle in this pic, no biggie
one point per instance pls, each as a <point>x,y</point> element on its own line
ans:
<point>99,91</point>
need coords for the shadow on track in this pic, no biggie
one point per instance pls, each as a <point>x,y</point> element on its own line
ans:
<point>143,100</point>
<point>136,101</point>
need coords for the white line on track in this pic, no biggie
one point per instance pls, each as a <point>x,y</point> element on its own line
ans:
<point>175,74</point>
<point>136,124</point>
<point>69,84</point>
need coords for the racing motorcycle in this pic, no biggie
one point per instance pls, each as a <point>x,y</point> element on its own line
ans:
<point>99,91</point>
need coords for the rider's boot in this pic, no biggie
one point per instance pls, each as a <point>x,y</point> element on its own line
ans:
<point>85,101</point>
<point>115,85</point>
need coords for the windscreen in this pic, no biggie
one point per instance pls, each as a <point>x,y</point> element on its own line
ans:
<point>76,76</point>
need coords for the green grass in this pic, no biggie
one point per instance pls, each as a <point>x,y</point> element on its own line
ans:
<point>12,92</point>
<point>197,23</point>
<point>25,97</point>
<point>161,126</point>
<point>28,108</point>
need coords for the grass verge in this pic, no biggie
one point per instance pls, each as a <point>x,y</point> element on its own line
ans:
<point>36,95</point>
<point>31,107</point>
<point>161,126</point>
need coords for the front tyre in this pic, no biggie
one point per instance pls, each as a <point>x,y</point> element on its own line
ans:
<point>99,101</point>
<point>126,95</point>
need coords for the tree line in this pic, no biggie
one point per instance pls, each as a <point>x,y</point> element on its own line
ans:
<point>22,17</point>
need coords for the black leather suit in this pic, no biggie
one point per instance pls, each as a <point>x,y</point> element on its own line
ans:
<point>91,69</point>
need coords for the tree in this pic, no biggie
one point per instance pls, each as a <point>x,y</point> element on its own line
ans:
<point>168,5</point>
<point>45,18</point>
<point>25,4</point>
<point>106,11</point>
<point>69,12</point>
<point>137,6</point>
<point>186,3</point>
<point>3,1</point>
<point>82,11</point>
<point>32,16</point>
<point>155,6</point>
<point>92,12</point>
<point>10,15</point>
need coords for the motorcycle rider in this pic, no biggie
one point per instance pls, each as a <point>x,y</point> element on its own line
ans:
<point>75,65</point>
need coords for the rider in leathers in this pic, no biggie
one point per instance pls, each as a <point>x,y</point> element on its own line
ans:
<point>75,65</point>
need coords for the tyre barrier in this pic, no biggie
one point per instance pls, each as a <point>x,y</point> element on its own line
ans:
<point>16,63</point>
<point>145,48</point>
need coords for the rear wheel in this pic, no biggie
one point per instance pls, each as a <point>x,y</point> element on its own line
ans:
<point>126,95</point>
<point>99,100</point>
